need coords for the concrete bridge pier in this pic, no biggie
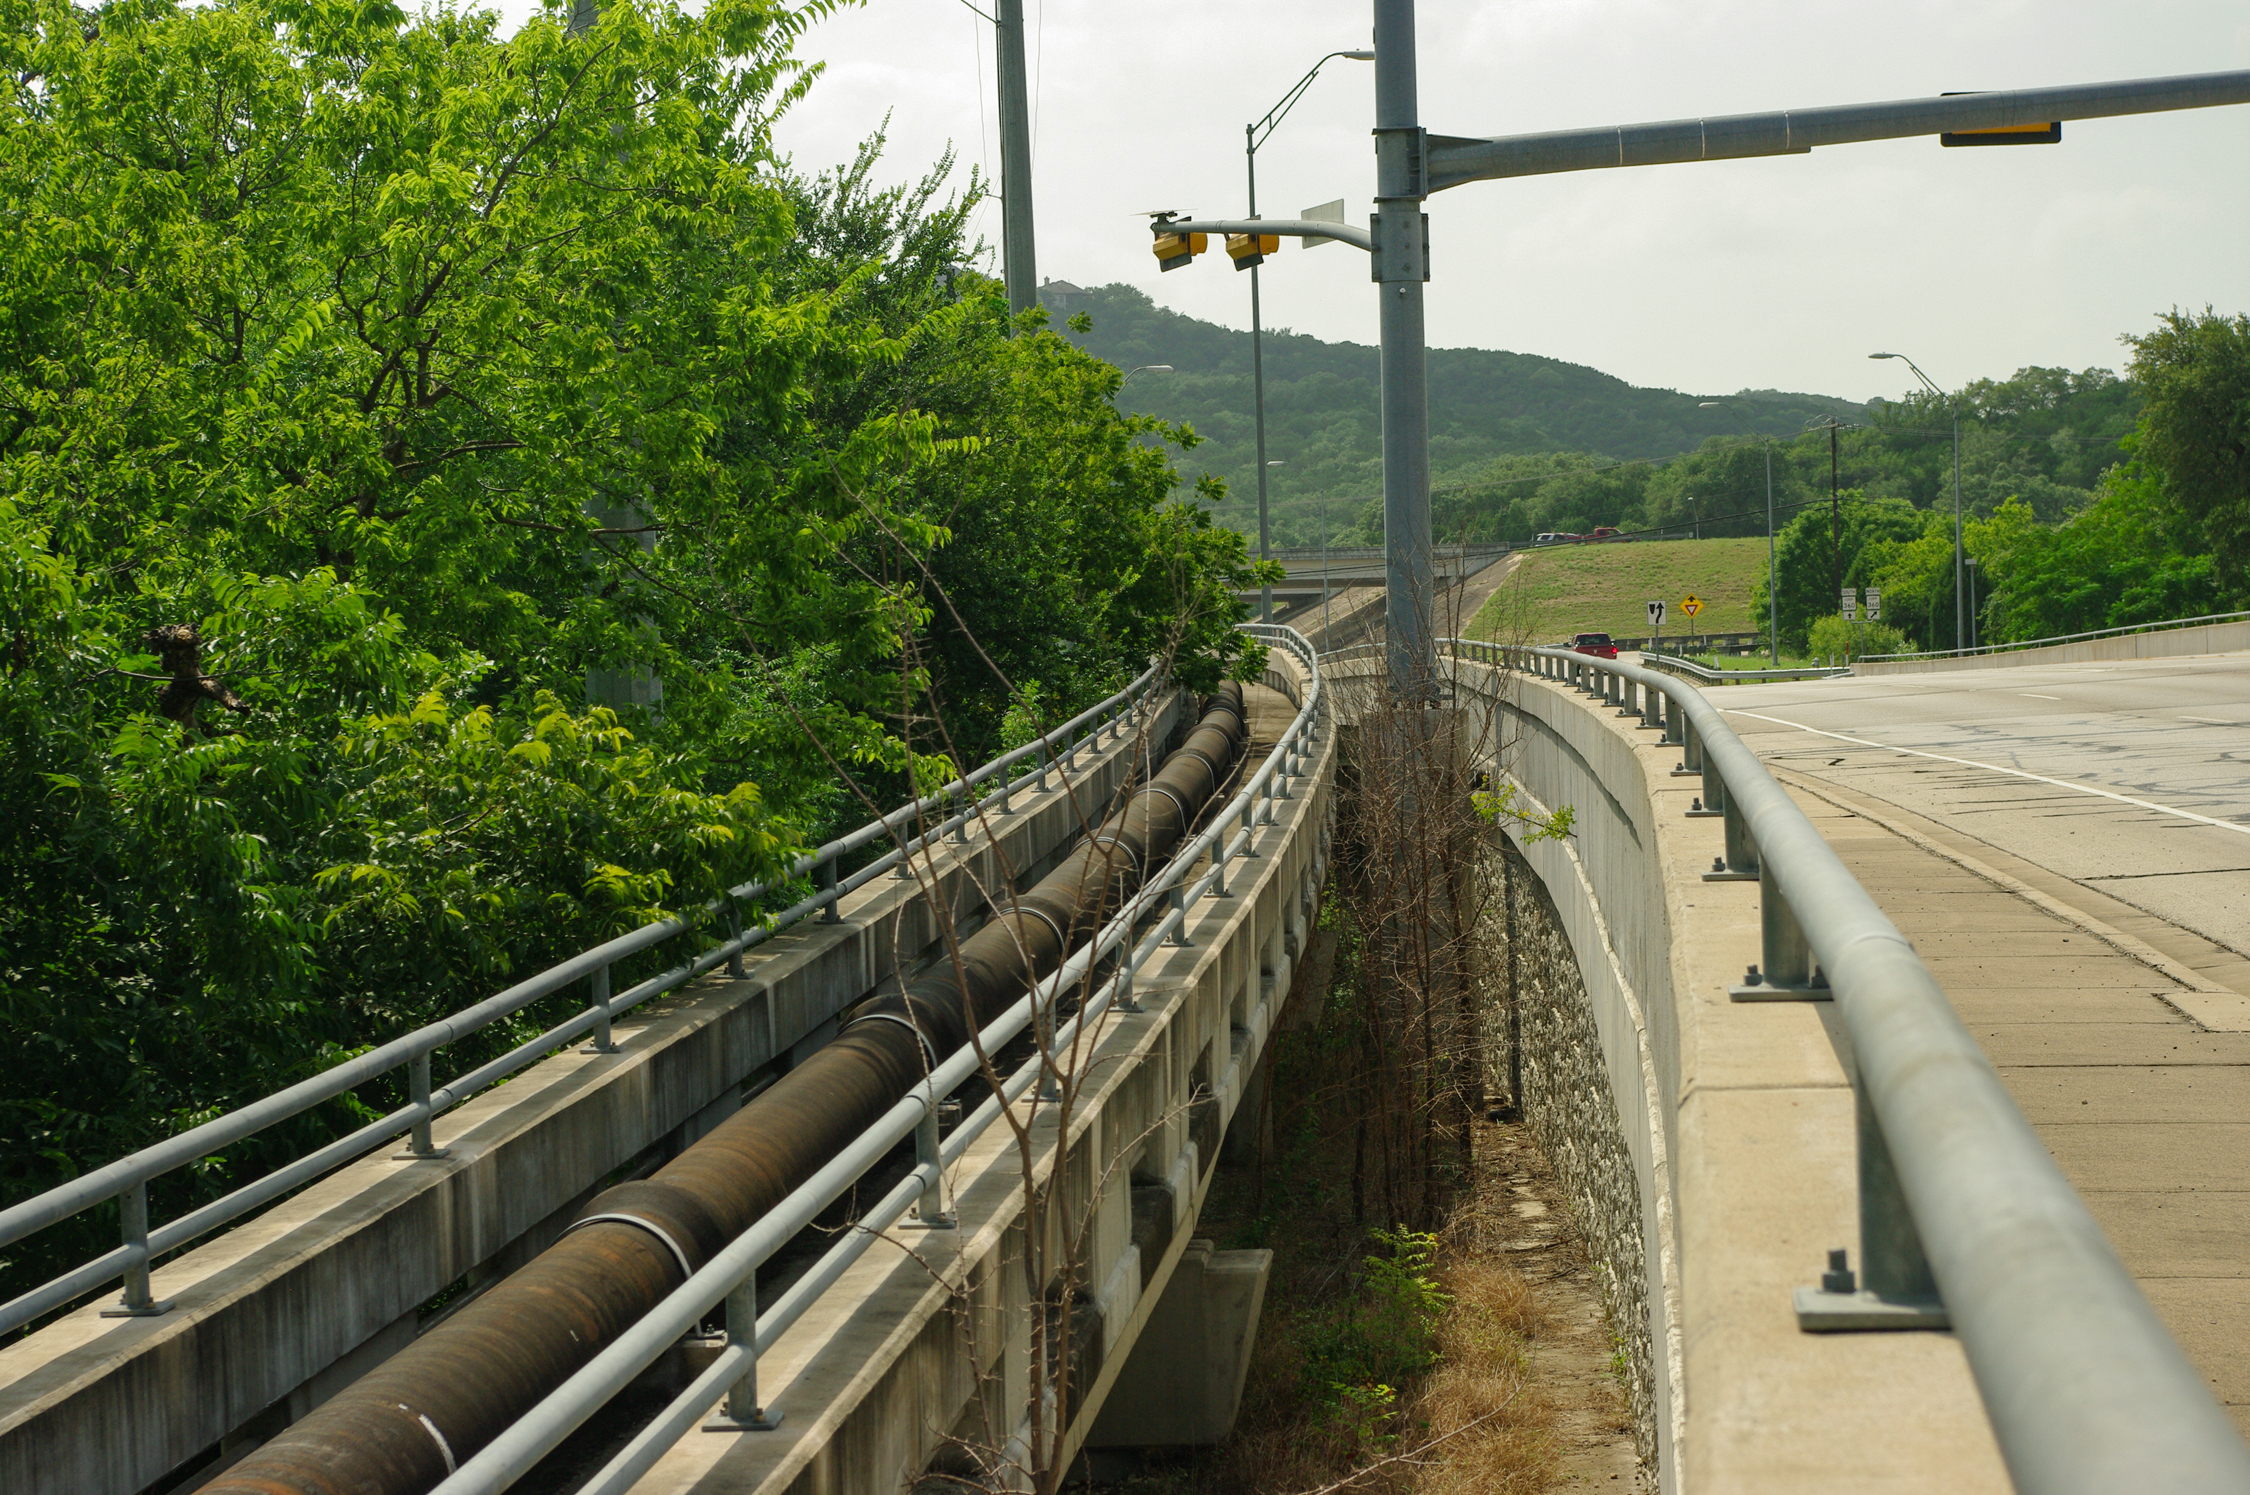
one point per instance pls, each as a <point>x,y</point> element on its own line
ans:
<point>1182,1383</point>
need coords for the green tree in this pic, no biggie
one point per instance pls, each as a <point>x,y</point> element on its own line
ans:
<point>1817,547</point>
<point>2130,557</point>
<point>2194,370</point>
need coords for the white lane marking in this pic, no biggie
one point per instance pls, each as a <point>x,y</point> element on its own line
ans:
<point>2032,695</point>
<point>2123,799</point>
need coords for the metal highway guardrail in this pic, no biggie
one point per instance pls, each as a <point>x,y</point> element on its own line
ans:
<point>2064,638</point>
<point>127,1179</point>
<point>1708,676</point>
<point>731,1275</point>
<point>1964,1217</point>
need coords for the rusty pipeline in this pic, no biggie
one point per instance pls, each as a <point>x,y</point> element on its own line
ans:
<point>404,1426</point>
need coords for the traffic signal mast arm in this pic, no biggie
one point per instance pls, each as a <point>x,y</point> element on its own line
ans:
<point>1287,228</point>
<point>1454,160</point>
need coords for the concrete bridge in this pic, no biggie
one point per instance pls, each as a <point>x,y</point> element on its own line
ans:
<point>1708,1126</point>
<point>890,1349</point>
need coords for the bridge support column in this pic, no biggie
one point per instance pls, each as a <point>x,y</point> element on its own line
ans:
<point>1182,1383</point>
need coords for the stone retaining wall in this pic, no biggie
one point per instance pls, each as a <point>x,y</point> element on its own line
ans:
<point>1568,1103</point>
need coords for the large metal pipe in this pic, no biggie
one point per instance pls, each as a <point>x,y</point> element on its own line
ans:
<point>403,1427</point>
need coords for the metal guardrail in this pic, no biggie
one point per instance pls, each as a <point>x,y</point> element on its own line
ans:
<point>731,1275</point>
<point>1706,675</point>
<point>2063,638</point>
<point>127,1179</point>
<point>1964,1217</point>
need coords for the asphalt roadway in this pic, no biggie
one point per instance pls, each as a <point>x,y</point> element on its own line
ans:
<point>2068,846</point>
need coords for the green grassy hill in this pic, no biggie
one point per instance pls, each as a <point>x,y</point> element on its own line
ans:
<point>1324,416</point>
<point>1581,588</point>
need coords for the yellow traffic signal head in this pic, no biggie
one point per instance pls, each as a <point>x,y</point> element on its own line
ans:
<point>1175,250</point>
<point>1251,249</point>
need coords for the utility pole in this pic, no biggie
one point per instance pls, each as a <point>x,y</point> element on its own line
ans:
<point>1401,266</point>
<point>1016,252</point>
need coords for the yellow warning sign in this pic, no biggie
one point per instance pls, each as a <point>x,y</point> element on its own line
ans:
<point>1691,604</point>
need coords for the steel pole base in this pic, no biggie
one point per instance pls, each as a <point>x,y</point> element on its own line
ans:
<point>1687,773</point>
<point>1822,1312</point>
<point>934,1222</point>
<point>764,1420</point>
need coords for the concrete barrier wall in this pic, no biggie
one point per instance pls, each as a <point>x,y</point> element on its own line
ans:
<point>1607,888</point>
<point>275,1315</point>
<point>2206,638</point>
<point>1738,1119</point>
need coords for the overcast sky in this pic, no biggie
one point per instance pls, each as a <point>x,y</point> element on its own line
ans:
<point>1778,273</point>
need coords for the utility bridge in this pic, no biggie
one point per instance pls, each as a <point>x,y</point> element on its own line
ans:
<point>1908,1163</point>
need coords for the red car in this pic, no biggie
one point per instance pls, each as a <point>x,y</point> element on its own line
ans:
<point>1596,644</point>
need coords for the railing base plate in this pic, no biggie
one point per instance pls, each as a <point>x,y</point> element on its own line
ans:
<point>765,1422</point>
<point>146,1311</point>
<point>1763,992</point>
<point>1728,876</point>
<point>1821,1312</point>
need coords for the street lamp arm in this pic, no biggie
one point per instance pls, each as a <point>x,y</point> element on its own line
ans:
<point>1265,127</point>
<point>1792,132</point>
<point>1288,228</point>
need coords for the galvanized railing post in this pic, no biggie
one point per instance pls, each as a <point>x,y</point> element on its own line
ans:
<point>1789,974</point>
<point>1740,864</point>
<point>742,1413</point>
<point>1179,910</point>
<point>419,1144</point>
<point>603,1043</point>
<point>137,1302</point>
<point>1894,1287</point>
<point>734,937</point>
<point>931,1213</point>
<point>1046,756</point>
<point>825,876</point>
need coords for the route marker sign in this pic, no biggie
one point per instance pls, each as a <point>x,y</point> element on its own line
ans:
<point>1851,604</point>
<point>1874,605</point>
<point>1656,614</point>
<point>1691,604</point>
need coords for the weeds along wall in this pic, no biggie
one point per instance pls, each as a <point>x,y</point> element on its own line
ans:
<point>1600,1040</point>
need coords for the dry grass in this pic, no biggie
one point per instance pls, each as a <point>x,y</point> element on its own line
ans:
<point>1482,1383</point>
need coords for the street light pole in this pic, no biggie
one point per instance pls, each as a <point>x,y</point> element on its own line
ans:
<point>1960,601</point>
<point>1401,266</point>
<point>1258,382</point>
<point>1251,140</point>
<point>1773,571</point>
